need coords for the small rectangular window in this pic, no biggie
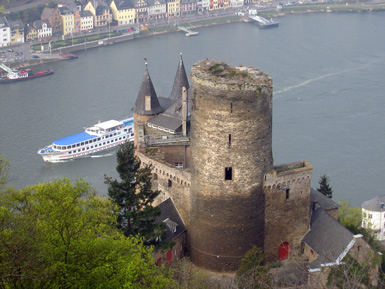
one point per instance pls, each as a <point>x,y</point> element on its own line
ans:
<point>169,183</point>
<point>229,140</point>
<point>287,193</point>
<point>228,174</point>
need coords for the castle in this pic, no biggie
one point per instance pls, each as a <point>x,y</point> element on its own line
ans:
<point>210,148</point>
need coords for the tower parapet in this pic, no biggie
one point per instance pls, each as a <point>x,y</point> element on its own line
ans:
<point>231,149</point>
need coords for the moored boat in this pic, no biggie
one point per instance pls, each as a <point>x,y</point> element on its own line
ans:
<point>101,136</point>
<point>268,24</point>
<point>14,75</point>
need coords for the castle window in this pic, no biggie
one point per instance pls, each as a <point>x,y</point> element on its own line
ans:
<point>169,184</point>
<point>228,174</point>
<point>147,102</point>
<point>231,107</point>
<point>179,165</point>
<point>155,176</point>
<point>287,193</point>
<point>229,140</point>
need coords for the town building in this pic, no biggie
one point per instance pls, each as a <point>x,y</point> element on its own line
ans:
<point>5,32</point>
<point>157,9</point>
<point>100,11</point>
<point>141,11</point>
<point>373,216</point>
<point>87,21</point>
<point>30,33</point>
<point>236,3</point>
<point>54,18</point>
<point>173,8</point>
<point>67,20</point>
<point>44,30</point>
<point>17,31</point>
<point>123,12</point>
<point>188,7</point>
<point>210,149</point>
<point>203,6</point>
<point>77,21</point>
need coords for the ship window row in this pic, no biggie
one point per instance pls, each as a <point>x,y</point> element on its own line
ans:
<point>97,145</point>
<point>85,142</point>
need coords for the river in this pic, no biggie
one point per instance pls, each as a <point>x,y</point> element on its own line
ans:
<point>328,72</point>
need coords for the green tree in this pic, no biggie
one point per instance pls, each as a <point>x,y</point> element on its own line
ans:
<point>350,217</point>
<point>60,235</point>
<point>134,196</point>
<point>324,187</point>
<point>4,172</point>
<point>2,10</point>
<point>252,273</point>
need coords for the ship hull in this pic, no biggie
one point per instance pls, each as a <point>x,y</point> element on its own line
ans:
<point>32,76</point>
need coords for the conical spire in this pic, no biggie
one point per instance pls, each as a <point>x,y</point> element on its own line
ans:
<point>180,80</point>
<point>147,102</point>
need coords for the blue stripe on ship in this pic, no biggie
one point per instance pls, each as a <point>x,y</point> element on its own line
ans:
<point>72,139</point>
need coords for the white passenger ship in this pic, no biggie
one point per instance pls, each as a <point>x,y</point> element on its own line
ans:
<point>101,136</point>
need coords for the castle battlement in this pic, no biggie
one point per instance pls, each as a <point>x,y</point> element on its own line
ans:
<point>287,174</point>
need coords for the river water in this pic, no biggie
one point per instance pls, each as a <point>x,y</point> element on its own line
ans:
<point>328,72</point>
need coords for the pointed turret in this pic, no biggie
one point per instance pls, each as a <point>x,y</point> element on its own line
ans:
<point>146,106</point>
<point>147,102</point>
<point>180,81</point>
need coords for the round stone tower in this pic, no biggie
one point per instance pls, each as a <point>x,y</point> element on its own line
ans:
<point>231,149</point>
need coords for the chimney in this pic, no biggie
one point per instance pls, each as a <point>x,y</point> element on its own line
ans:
<point>184,111</point>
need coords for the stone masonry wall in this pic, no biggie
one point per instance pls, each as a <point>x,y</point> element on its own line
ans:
<point>173,183</point>
<point>287,214</point>
<point>231,149</point>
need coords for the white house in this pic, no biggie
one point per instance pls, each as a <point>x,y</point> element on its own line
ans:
<point>203,5</point>
<point>87,20</point>
<point>5,32</point>
<point>373,216</point>
<point>236,3</point>
<point>44,29</point>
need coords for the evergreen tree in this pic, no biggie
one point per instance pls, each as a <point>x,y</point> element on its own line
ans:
<point>134,196</point>
<point>324,187</point>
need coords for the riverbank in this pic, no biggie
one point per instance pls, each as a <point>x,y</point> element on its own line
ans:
<point>210,20</point>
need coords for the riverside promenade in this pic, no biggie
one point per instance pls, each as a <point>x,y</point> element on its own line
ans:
<point>267,10</point>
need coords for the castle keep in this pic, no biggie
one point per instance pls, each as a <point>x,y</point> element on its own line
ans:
<point>210,148</point>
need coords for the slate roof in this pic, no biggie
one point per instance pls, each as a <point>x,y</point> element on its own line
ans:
<point>3,22</point>
<point>169,215</point>
<point>63,10</point>
<point>85,13</point>
<point>147,88</point>
<point>328,238</point>
<point>47,13</point>
<point>124,4</point>
<point>323,201</point>
<point>171,118</point>
<point>180,80</point>
<point>375,204</point>
<point>39,23</point>
<point>16,24</point>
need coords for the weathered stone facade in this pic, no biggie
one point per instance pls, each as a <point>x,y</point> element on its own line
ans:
<point>231,149</point>
<point>287,210</point>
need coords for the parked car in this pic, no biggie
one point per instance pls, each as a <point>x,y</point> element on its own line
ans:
<point>35,56</point>
<point>10,50</point>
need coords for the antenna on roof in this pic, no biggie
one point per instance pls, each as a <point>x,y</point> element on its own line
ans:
<point>145,62</point>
